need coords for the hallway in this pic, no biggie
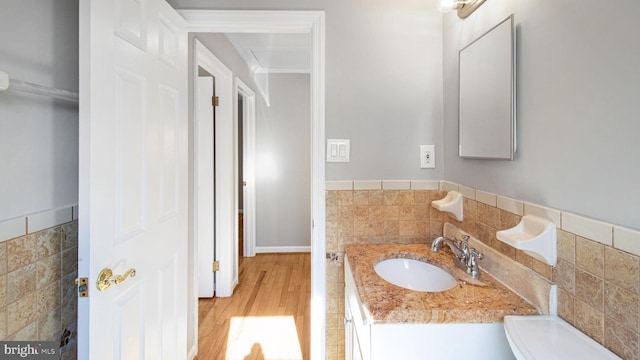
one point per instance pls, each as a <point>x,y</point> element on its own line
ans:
<point>268,315</point>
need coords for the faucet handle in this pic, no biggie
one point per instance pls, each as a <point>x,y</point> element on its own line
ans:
<point>465,243</point>
<point>476,254</point>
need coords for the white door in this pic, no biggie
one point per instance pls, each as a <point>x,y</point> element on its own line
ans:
<point>133,179</point>
<point>205,180</point>
<point>226,215</point>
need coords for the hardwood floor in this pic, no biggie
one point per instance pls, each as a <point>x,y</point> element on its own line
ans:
<point>257,322</point>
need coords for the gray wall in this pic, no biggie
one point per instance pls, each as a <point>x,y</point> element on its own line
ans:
<point>283,169</point>
<point>283,133</point>
<point>383,81</point>
<point>38,135</point>
<point>578,107</point>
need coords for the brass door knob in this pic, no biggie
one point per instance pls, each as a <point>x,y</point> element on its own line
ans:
<point>106,278</point>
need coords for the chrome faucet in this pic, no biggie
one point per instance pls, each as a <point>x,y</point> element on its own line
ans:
<point>454,247</point>
<point>466,257</point>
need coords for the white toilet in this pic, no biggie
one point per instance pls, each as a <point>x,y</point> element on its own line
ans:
<point>549,338</point>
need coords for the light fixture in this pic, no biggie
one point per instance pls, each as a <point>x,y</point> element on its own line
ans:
<point>463,7</point>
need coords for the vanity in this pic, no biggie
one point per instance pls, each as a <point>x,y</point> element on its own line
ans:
<point>385,321</point>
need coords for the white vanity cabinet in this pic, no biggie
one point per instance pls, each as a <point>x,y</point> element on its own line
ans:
<point>352,344</point>
<point>365,339</point>
<point>356,331</point>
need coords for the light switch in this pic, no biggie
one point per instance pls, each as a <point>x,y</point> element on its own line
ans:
<point>338,150</point>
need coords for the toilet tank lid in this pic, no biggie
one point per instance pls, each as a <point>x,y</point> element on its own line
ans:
<point>550,337</point>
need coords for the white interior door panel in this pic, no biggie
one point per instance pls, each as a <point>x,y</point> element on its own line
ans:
<point>133,179</point>
<point>205,199</point>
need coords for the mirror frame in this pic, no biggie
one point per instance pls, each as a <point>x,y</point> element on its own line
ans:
<point>477,75</point>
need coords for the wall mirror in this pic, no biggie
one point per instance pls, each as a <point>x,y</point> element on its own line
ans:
<point>487,95</point>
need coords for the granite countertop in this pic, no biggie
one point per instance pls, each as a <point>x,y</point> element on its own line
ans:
<point>481,300</point>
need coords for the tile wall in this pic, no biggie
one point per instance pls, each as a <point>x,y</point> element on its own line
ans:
<point>37,292</point>
<point>597,273</point>
<point>376,213</point>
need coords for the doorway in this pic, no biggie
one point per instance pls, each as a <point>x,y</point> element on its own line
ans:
<point>214,201</point>
<point>280,181</point>
<point>241,181</point>
<point>246,125</point>
<point>311,22</point>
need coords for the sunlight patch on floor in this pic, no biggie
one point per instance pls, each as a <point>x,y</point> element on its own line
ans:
<point>263,337</point>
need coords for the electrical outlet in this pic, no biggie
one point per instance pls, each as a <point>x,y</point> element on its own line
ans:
<point>427,157</point>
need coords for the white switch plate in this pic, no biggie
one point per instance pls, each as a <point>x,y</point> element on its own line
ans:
<point>338,150</point>
<point>427,157</point>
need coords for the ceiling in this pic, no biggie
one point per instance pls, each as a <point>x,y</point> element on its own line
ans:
<point>274,53</point>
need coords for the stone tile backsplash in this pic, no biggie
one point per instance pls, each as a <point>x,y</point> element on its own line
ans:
<point>38,300</point>
<point>371,217</point>
<point>597,272</point>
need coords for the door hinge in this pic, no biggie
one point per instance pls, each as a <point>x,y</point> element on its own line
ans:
<point>216,266</point>
<point>83,287</point>
<point>215,101</point>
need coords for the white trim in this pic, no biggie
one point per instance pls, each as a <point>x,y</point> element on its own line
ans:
<point>249,156</point>
<point>449,186</point>
<point>487,198</point>
<point>282,249</point>
<point>467,192</point>
<point>281,71</point>
<point>192,256</point>
<point>367,185</point>
<point>193,352</point>
<point>312,22</point>
<point>595,230</point>
<point>10,229</point>
<point>318,248</point>
<point>626,239</point>
<point>542,211</point>
<point>339,185</point>
<point>396,185</point>
<point>425,185</point>
<point>50,218</point>
<point>253,21</point>
<point>511,205</point>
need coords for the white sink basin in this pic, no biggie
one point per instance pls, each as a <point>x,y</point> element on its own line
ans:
<point>415,275</point>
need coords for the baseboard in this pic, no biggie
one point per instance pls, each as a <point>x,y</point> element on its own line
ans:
<point>283,249</point>
<point>192,353</point>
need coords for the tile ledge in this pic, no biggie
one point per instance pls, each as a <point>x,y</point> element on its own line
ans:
<point>38,221</point>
